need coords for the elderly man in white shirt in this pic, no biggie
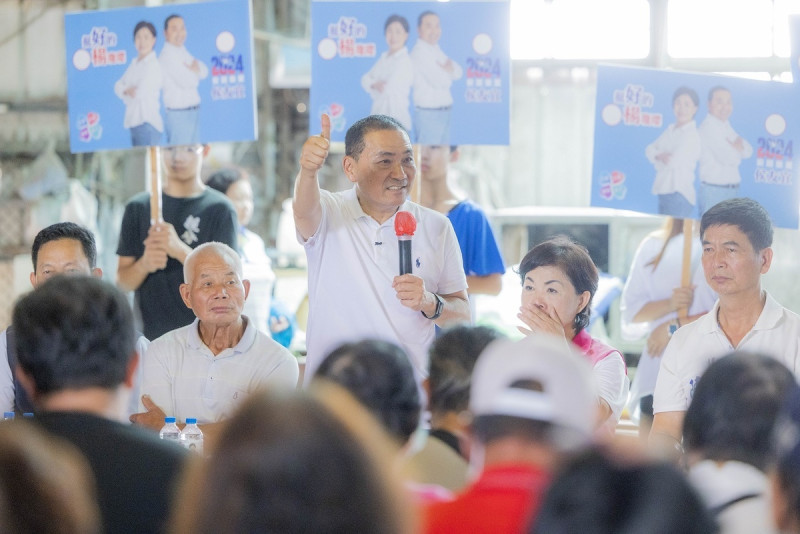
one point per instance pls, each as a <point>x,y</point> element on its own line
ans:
<point>206,369</point>
<point>182,74</point>
<point>722,151</point>
<point>434,73</point>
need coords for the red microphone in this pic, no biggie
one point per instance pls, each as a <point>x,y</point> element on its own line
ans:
<point>404,226</point>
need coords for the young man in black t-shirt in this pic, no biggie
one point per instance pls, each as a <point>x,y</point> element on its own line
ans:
<point>151,256</point>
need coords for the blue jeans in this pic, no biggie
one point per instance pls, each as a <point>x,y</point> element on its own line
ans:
<point>676,205</point>
<point>711,194</point>
<point>183,126</point>
<point>432,126</point>
<point>145,135</point>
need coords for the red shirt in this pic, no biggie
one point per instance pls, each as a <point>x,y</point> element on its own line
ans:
<point>504,500</point>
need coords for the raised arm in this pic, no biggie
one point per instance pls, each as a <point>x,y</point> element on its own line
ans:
<point>306,204</point>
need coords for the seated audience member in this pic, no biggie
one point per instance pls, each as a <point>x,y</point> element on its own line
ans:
<point>737,250</point>
<point>77,357</point>
<point>606,493</point>
<point>296,463</point>
<point>61,248</point>
<point>784,474</point>
<point>204,370</point>
<point>45,484</point>
<point>534,404</point>
<point>379,375</point>
<point>442,457</point>
<point>559,280</point>
<point>726,434</point>
<point>257,267</point>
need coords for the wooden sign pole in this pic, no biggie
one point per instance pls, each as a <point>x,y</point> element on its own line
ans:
<point>156,214</point>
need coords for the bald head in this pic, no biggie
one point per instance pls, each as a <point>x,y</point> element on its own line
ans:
<point>214,288</point>
<point>211,249</point>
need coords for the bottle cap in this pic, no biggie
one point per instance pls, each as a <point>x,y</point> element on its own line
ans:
<point>27,414</point>
<point>8,415</point>
<point>169,419</point>
<point>191,421</point>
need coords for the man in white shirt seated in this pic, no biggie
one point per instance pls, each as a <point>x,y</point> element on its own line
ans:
<point>61,248</point>
<point>206,369</point>
<point>737,236</point>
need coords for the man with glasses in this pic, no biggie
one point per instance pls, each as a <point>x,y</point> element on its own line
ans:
<point>151,255</point>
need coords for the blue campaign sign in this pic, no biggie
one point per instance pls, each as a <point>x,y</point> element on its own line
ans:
<point>440,68</point>
<point>168,75</point>
<point>676,143</point>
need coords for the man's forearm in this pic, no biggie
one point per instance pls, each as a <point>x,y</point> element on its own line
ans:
<point>455,309</point>
<point>306,203</point>
<point>666,435</point>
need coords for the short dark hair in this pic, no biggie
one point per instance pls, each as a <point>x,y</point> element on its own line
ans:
<point>222,179</point>
<point>715,89</point>
<point>354,138</point>
<point>144,24</point>
<point>396,18</point>
<point>74,332</point>
<point>734,408</point>
<point>425,14</point>
<point>574,260</point>
<point>598,493</point>
<point>173,16</point>
<point>683,90</point>
<point>452,357</point>
<point>746,214</point>
<point>380,376</point>
<point>65,230</point>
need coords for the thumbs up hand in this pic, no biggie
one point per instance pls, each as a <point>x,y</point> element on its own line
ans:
<point>316,148</point>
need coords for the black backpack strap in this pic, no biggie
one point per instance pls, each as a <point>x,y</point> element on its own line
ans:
<point>724,506</point>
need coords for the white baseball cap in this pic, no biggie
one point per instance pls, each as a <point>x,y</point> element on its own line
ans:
<point>568,396</point>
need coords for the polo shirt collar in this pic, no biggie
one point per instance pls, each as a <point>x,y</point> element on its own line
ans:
<point>353,206</point>
<point>770,315</point>
<point>194,342</point>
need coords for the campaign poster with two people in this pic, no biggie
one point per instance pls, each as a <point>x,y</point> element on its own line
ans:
<point>441,69</point>
<point>676,143</point>
<point>168,75</point>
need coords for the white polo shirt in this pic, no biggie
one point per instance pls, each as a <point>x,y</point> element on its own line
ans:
<point>185,379</point>
<point>352,261</point>
<point>695,346</point>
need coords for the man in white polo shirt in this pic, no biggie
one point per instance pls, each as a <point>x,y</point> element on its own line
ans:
<point>204,370</point>
<point>354,287</point>
<point>737,236</point>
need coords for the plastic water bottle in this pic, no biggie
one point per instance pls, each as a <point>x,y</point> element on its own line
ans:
<point>7,416</point>
<point>170,430</point>
<point>192,436</point>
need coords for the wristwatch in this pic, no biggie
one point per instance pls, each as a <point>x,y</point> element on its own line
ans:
<point>438,312</point>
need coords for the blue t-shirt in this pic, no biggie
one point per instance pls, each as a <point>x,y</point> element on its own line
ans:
<point>475,237</point>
